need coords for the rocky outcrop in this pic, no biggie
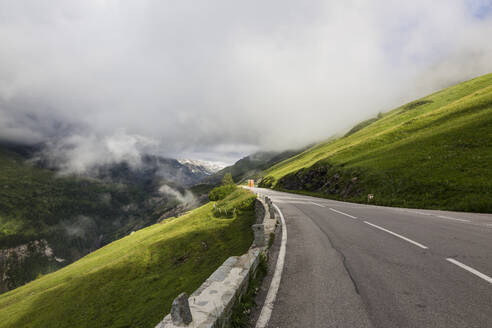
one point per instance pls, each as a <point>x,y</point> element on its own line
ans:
<point>326,179</point>
<point>14,260</point>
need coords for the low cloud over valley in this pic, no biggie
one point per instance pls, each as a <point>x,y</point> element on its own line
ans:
<point>106,81</point>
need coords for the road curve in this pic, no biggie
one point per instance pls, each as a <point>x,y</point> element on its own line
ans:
<point>353,265</point>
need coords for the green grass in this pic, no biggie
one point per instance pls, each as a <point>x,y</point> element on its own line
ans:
<point>435,152</point>
<point>132,282</point>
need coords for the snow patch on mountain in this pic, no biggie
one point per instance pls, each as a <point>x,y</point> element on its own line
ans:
<point>205,167</point>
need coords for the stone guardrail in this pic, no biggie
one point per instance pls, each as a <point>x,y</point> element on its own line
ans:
<point>210,306</point>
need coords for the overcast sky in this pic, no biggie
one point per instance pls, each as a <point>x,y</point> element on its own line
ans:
<point>216,80</point>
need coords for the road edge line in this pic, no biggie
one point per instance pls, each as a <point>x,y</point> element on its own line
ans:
<point>266,311</point>
<point>397,235</point>
<point>451,218</point>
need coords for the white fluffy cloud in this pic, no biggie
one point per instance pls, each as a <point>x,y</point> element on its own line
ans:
<point>81,154</point>
<point>222,78</point>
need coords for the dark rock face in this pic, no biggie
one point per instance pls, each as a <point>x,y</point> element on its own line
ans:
<point>326,179</point>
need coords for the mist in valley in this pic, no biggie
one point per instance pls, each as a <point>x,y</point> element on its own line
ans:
<point>104,82</point>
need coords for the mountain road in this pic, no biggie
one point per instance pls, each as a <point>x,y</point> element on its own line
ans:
<point>355,265</point>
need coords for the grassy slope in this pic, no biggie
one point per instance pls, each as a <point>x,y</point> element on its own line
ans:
<point>132,282</point>
<point>434,152</point>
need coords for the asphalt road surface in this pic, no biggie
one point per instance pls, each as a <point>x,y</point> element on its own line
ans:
<point>353,265</point>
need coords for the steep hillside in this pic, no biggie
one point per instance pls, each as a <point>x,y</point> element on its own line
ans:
<point>48,221</point>
<point>132,282</point>
<point>435,152</point>
<point>250,167</point>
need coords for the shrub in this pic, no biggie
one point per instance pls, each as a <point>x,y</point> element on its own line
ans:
<point>362,125</point>
<point>415,104</point>
<point>221,192</point>
<point>224,190</point>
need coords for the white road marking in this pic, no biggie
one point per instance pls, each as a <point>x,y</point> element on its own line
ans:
<point>285,198</point>
<point>422,213</point>
<point>266,311</point>
<point>350,216</point>
<point>397,235</point>
<point>318,204</point>
<point>472,270</point>
<point>291,202</point>
<point>451,218</point>
<point>440,216</point>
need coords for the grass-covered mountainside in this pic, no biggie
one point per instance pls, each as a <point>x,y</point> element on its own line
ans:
<point>48,221</point>
<point>250,167</point>
<point>435,152</point>
<point>132,282</point>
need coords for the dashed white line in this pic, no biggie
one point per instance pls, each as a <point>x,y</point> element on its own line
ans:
<point>266,311</point>
<point>470,269</point>
<point>318,204</point>
<point>350,216</point>
<point>440,216</point>
<point>397,235</point>
<point>451,218</point>
<point>422,213</point>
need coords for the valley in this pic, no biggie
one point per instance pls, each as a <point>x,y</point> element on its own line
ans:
<point>48,220</point>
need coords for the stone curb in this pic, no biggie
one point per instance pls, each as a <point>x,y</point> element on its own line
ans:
<point>211,304</point>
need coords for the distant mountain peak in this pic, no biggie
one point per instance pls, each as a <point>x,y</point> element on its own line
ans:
<point>205,167</point>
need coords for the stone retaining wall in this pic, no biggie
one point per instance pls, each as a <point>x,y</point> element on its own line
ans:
<point>259,210</point>
<point>211,304</point>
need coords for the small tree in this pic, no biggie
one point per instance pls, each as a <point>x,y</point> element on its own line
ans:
<point>227,180</point>
<point>228,186</point>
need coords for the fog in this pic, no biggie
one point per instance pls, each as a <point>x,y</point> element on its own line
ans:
<point>79,226</point>
<point>104,81</point>
<point>84,154</point>
<point>187,198</point>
